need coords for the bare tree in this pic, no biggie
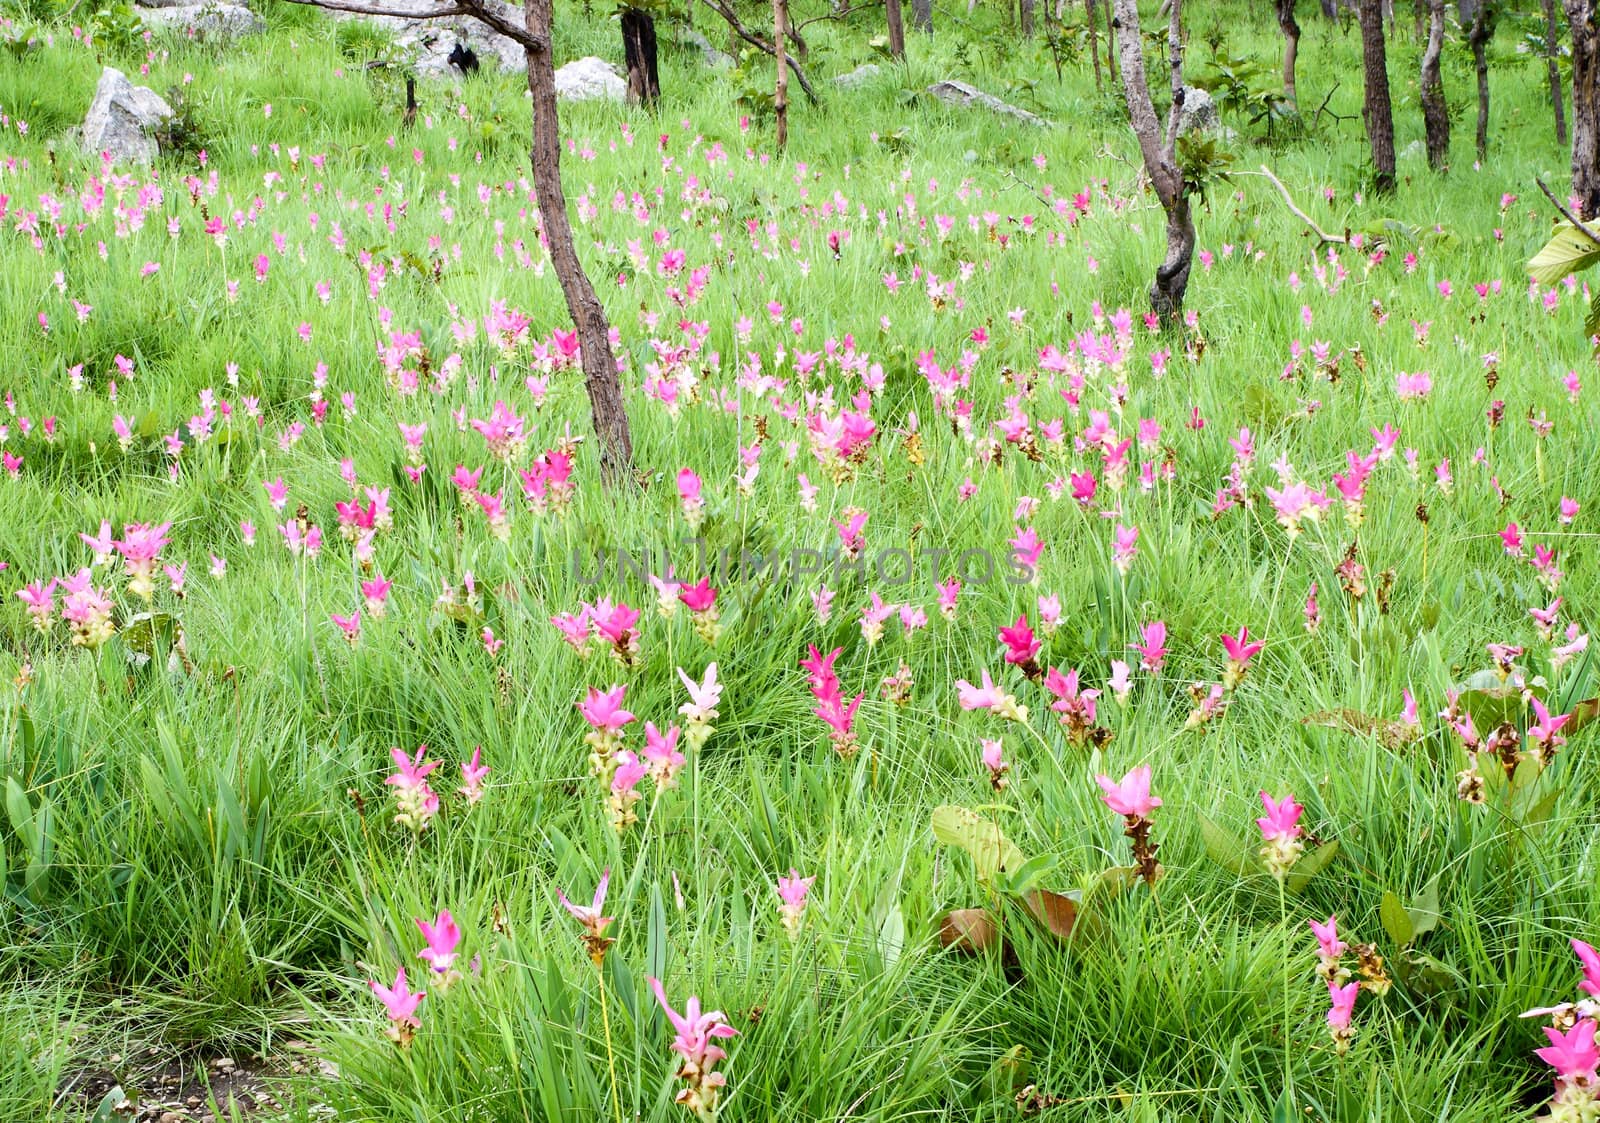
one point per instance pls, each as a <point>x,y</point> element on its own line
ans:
<point>530,29</point>
<point>1159,151</point>
<point>922,15</point>
<point>1552,52</point>
<point>780,92</point>
<point>1435,116</point>
<point>1585,104</point>
<point>1478,36</point>
<point>1376,111</point>
<point>1025,17</point>
<point>1094,42</point>
<point>1291,48</point>
<point>897,28</point>
<point>639,53</point>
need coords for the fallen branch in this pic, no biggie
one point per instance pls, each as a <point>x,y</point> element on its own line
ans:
<point>1324,238</point>
<point>485,13</point>
<point>1567,214</point>
<point>739,29</point>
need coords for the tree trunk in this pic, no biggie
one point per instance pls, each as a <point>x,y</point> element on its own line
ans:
<point>1585,105</point>
<point>897,28</point>
<point>1157,151</point>
<point>639,52</point>
<point>1094,43</point>
<point>1025,10</point>
<point>594,333</point>
<point>1291,49</point>
<point>922,15</point>
<point>1376,111</point>
<point>1435,117</point>
<point>780,92</point>
<point>1478,39</point>
<point>1552,52</point>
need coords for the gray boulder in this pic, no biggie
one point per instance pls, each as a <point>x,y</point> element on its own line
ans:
<point>863,75</point>
<point>717,60</point>
<point>959,93</point>
<point>589,79</point>
<point>212,21</point>
<point>121,119</point>
<point>429,44</point>
<point>1199,112</point>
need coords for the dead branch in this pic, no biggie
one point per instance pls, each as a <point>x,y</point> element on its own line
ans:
<point>831,17</point>
<point>739,29</point>
<point>1567,214</point>
<point>1324,238</point>
<point>487,14</point>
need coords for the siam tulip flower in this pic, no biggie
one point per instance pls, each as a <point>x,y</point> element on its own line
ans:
<point>626,773</point>
<point>472,776</point>
<point>1329,951</point>
<point>993,757</point>
<point>792,892</point>
<point>1408,710</point>
<point>139,546</point>
<point>1511,539</point>
<point>1545,733</point>
<point>701,601</point>
<point>695,1041</point>
<point>1280,834</point>
<point>1544,619</point>
<point>662,756</point>
<point>948,592</point>
<point>1076,708</point>
<point>1572,1053</point>
<point>1049,614</point>
<point>300,539</point>
<point>219,567</point>
<point>606,718</point>
<point>86,609</point>
<point>39,599</point>
<point>504,432</point>
<point>1505,658</point>
<point>442,936</point>
<point>1152,646</point>
<point>103,544</point>
<point>839,716</point>
<point>401,1006</point>
<point>415,801</point>
<point>822,603</point>
<point>852,532</point>
<point>667,591</point>
<point>1568,511</point>
<point>1343,1007</point>
<point>375,597</point>
<point>1132,800</point>
<point>1026,549</point>
<point>701,708</point>
<point>618,625</point>
<point>873,618</point>
<point>1240,649</point>
<point>1313,611</point>
<point>349,625</point>
<point>689,495</point>
<point>1296,502</point>
<point>1021,647</point>
<point>989,697</point>
<point>1120,685</point>
<point>590,916</point>
<point>1124,547</point>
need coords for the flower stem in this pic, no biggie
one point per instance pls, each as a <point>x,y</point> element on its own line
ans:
<point>611,1059</point>
<point>1283,924</point>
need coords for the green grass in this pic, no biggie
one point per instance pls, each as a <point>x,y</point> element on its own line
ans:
<point>200,855</point>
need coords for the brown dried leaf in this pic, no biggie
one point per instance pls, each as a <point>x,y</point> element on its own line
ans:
<point>1056,911</point>
<point>968,930</point>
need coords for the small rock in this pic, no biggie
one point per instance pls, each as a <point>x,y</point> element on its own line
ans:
<point>210,21</point>
<point>120,120</point>
<point>709,55</point>
<point>1413,151</point>
<point>960,93</point>
<point>862,75</point>
<point>1199,112</point>
<point>171,1117</point>
<point>589,78</point>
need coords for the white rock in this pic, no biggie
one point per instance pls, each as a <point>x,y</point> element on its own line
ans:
<point>589,78</point>
<point>429,43</point>
<point>1199,112</point>
<point>120,119</point>
<point>863,75</point>
<point>960,93</point>
<point>216,20</point>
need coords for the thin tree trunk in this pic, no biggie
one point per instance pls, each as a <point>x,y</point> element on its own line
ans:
<point>897,28</point>
<point>1435,117</point>
<point>922,16</point>
<point>780,93</point>
<point>594,332</point>
<point>1291,49</point>
<point>1585,105</point>
<point>639,52</point>
<point>1478,39</point>
<point>1552,52</point>
<point>1376,111</point>
<point>1025,13</point>
<point>1094,44</point>
<point>1158,151</point>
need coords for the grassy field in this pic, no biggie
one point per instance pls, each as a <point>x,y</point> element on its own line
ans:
<point>199,851</point>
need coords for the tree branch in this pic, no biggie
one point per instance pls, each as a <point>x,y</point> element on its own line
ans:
<point>1324,238</point>
<point>1568,215</point>
<point>728,14</point>
<point>484,13</point>
<point>830,17</point>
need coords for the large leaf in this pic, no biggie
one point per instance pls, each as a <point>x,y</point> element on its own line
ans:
<point>970,930</point>
<point>1058,912</point>
<point>1226,850</point>
<point>1396,920</point>
<point>1568,251</point>
<point>991,851</point>
<point>1310,865</point>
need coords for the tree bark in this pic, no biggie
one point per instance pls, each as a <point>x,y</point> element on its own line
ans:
<point>1478,39</point>
<point>1376,111</point>
<point>780,93</point>
<point>922,16</point>
<point>1291,49</point>
<point>1025,16</point>
<point>897,28</point>
<point>1552,54</point>
<point>1435,116</point>
<point>639,52</point>
<point>1585,105</point>
<point>594,332</point>
<point>1094,43</point>
<point>1158,151</point>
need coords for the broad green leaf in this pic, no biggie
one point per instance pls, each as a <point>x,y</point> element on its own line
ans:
<point>1424,911</point>
<point>1027,875</point>
<point>1568,251</point>
<point>1310,865</point>
<point>1538,815</point>
<point>991,851</point>
<point>1396,920</point>
<point>1226,850</point>
<point>892,936</point>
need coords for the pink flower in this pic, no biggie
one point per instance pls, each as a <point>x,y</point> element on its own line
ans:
<point>412,773</point>
<point>1131,797</point>
<point>696,1034</point>
<point>1511,539</point>
<point>1344,1005</point>
<point>699,597</point>
<point>1569,510</point>
<point>349,625</point>
<point>661,754</point>
<point>1572,1054</point>
<point>1152,647</point>
<point>1021,645</point>
<point>792,892</point>
<point>472,775</point>
<point>1240,649</point>
<point>1124,547</point>
<point>993,757</point>
<point>590,916</point>
<point>398,1000</point>
<point>1329,946</point>
<point>442,936</point>
<point>1282,819</point>
<point>604,710</point>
